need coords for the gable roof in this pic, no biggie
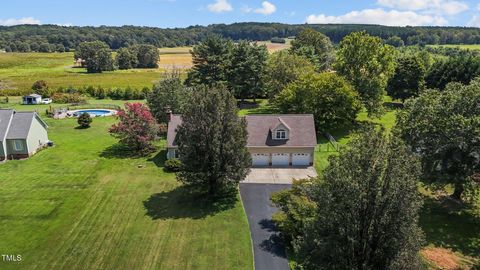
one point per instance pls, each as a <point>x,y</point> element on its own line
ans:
<point>34,95</point>
<point>5,119</point>
<point>259,127</point>
<point>16,125</point>
<point>301,130</point>
<point>175,121</point>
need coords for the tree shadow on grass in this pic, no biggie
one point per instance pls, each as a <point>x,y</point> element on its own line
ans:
<point>121,151</point>
<point>185,202</point>
<point>455,229</point>
<point>159,159</point>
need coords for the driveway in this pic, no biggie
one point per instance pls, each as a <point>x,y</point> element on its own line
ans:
<point>279,175</point>
<point>268,248</point>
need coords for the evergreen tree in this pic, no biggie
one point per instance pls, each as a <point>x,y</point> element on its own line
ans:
<point>84,120</point>
<point>408,79</point>
<point>246,70</point>
<point>212,142</point>
<point>367,207</point>
<point>211,59</point>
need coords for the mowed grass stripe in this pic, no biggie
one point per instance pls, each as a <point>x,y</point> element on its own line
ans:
<point>100,220</point>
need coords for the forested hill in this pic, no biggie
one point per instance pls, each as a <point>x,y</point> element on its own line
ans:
<point>53,37</point>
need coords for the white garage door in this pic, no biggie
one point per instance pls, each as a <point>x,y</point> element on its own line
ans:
<point>260,159</point>
<point>281,159</point>
<point>301,159</point>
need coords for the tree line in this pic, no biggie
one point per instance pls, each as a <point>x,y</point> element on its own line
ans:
<point>48,38</point>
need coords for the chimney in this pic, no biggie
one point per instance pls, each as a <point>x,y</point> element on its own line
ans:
<point>169,113</point>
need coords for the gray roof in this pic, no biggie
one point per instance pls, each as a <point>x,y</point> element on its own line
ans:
<point>175,121</point>
<point>20,123</point>
<point>301,130</point>
<point>34,95</point>
<point>5,117</point>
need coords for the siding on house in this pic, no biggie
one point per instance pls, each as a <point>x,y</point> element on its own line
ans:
<point>37,136</point>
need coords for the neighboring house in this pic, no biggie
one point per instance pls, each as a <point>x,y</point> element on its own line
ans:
<point>32,99</point>
<point>22,134</point>
<point>273,140</point>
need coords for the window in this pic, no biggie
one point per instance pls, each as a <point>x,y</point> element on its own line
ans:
<point>18,145</point>
<point>175,153</point>
<point>281,134</point>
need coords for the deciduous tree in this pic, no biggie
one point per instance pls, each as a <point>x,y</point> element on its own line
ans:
<point>168,94</point>
<point>97,56</point>
<point>125,59</point>
<point>283,68</point>
<point>136,129</point>
<point>316,47</point>
<point>330,98</point>
<point>367,64</point>
<point>443,127</point>
<point>212,142</point>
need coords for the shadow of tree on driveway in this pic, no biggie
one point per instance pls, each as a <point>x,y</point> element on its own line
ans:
<point>184,202</point>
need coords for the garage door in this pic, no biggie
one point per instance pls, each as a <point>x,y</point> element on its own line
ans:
<point>281,159</point>
<point>260,159</point>
<point>301,159</point>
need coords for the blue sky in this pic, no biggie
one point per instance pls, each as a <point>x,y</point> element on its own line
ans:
<point>181,13</point>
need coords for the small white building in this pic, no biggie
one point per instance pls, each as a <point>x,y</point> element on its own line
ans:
<point>32,99</point>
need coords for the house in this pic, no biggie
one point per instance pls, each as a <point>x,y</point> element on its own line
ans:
<point>273,140</point>
<point>32,99</point>
<point>22,134</point>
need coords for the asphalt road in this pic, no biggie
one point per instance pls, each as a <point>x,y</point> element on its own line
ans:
<point>268,248</point>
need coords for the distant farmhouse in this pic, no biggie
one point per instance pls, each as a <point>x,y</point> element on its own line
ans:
<point>22,134</point>
<point>273,140</point>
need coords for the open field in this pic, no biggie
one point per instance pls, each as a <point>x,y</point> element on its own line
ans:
<point>464,47</point>
<point>21,70</point>
<point>84,204</point>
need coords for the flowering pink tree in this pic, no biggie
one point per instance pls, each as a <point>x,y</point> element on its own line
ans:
<point>137,127</point>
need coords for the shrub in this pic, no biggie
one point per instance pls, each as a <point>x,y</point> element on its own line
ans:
<point>41,87</point>
<point>67,98</point>
<point>173,165</point>
<point>84,120</point>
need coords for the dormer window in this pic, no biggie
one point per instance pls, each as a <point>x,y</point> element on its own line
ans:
<point>281,134</point>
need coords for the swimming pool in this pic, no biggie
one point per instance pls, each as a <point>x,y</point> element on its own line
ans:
<point>94,112</point>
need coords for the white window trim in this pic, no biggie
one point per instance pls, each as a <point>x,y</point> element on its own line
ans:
<point>279,133</point>
<point>17,143</point>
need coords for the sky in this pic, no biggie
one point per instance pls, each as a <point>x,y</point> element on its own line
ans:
<point>182,13</point>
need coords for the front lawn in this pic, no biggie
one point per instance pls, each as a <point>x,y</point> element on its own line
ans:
<point>83,205</point>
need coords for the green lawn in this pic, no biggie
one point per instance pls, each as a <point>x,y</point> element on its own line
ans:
<point>83,205</point>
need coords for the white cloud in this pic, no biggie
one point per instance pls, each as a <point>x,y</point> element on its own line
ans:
<point>478,7</point>
<point>25,20</point>
<point>379,16</point>
<point>448,7</point>
<point>474,22</point>
<point>266,9</point>
<point>220,6</point>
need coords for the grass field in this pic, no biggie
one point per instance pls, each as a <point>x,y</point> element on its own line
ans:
<point>21,70</point>
<point>83,204</point>
<point>464,47</point>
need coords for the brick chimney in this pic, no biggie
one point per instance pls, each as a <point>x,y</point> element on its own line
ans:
<point>169,113</point>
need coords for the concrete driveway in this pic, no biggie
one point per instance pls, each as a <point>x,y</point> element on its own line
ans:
<point>279,175</point>
<point>268,247</point>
